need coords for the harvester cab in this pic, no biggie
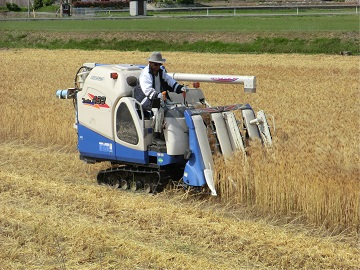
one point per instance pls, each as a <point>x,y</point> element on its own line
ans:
<point>112,126</point>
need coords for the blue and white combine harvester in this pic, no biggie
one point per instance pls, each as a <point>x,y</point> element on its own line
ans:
<point>112,127</point>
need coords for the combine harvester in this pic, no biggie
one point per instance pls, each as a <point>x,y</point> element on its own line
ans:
<point>112,127</point>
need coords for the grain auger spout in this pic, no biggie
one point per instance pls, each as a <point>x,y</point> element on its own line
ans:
<point>112,127</point>
<point>249,82</point>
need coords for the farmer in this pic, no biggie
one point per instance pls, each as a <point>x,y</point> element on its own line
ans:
<point>154,80</point>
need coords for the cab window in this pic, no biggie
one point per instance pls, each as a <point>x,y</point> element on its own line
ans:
<point>125,126</point>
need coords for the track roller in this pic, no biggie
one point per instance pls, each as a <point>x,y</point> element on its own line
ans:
<point>147,188</point>
<point>124,184</point>
<point>135,185</point>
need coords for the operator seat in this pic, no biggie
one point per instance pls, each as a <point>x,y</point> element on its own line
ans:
<point>133,81</point>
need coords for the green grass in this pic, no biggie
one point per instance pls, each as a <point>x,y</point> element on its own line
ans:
<point>52,8</point>
<point>260,45</point>
<point>232,24</point>
<point>15,34</point>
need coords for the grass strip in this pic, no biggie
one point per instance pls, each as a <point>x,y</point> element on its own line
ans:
<point>259,45</point>
<point>233,24</point>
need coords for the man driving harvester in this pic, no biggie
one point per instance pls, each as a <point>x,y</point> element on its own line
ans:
<point>152,87</point>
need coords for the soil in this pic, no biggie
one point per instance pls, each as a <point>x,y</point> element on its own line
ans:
<point>226,37</point>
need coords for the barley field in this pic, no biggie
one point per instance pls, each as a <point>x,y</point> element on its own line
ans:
<point>295,206</point>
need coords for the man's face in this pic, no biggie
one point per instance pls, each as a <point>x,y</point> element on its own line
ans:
<point>155,66</point>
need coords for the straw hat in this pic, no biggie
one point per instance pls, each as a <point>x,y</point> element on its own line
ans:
<point>156,57</point>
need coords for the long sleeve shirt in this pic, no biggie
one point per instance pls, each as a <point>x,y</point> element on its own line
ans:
<point>152,85</point>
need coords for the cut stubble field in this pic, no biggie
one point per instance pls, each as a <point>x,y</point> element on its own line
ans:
<point>295,208</point>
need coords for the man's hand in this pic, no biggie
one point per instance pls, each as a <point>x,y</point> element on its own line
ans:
<point>161,96</point>
<point>181,89</point>
<point>184,89</point>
